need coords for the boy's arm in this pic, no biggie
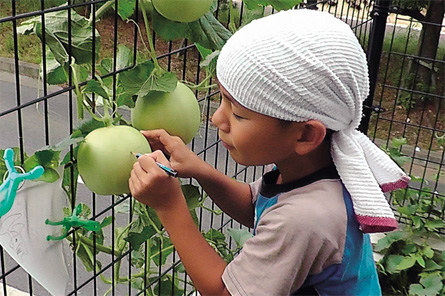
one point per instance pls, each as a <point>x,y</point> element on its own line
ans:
<point>232,196</point>
<point>151,186</point>
<point>204,266</point>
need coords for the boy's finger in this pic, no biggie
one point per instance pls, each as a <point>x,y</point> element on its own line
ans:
<point>167,141</point>
<point>148,161</point>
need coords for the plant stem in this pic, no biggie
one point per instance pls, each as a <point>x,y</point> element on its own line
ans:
<point>99,247</point>
<point>79,94</point>
<point>202,85</point>
<point>151,257</point>
<point>150,40</point>
<point>100,11</point>
<point>232,26</point>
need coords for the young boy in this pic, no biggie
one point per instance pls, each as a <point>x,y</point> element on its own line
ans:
<point>292,87</point>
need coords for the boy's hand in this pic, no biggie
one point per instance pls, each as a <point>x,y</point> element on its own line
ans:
<point>151,185</point>
<point>182,159</point>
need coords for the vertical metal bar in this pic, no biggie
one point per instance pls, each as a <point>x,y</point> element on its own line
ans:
<point>2,257</point>
<point>45,87</point>
<point>93,73</point>
<point>115,39</point>
<point>379,15</point>
<point>17,80</point>
<point>71,128</point>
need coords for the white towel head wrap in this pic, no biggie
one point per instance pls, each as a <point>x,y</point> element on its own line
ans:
<point>299,65</point>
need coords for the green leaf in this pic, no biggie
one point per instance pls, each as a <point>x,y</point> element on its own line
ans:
<point>70,175</point>
<point>429,285</point>
<point>86,256</point>
<point>55,72</point>
<point>105,66</point>
<point>94,86</point>
<point>106,221</point>
<point>277,4</point>
<point>65,143</point>
<point>392,261</point>
<point>87,126</point>
<point>132,79</point>
<point>409,248</point>
<point>428,252</point>
<point>406,263</point>
<point>382,244</point>
<point>398,142</point>
<point>124,57</point>
<point>137,239</point>
<point>239,236</point>
<point>400,160</point>
<point>167,287</point>
<point>431,265</point>
<point>165,82</point>
<point>433,225</point>
<point>192,195</point>
<point>48,159</point>
<point>215,235</point>
<point>207,30</point>
<point>209,58</point>
<point>79,42</point>
<point>126,8</point>
<point>50,175</point>
<point>408,210</point>
<point>161,250</point>
<point>420,260</point>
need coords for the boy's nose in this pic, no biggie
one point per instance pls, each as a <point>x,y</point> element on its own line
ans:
<point>219,120</point>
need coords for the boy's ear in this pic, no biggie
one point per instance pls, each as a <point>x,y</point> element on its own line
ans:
<point>311,134</point>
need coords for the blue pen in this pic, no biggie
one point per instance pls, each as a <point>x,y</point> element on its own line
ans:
<point>169,171</point>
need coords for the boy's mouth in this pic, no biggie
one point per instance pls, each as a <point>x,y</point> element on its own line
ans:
<point>227,146</point>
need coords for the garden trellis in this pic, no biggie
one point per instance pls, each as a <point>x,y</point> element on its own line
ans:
<point>97,50</point>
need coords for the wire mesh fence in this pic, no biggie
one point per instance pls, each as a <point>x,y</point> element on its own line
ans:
<point>409,104</point>
<point>38,108</point>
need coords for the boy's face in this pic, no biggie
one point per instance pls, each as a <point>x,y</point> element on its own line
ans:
<point>252,138</point>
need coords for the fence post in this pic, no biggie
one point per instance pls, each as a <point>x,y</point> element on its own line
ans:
<point>379,15</point>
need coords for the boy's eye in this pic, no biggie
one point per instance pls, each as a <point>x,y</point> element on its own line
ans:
<point>237,116</point>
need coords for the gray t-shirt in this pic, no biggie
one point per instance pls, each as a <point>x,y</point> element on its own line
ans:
<point>301,230</point>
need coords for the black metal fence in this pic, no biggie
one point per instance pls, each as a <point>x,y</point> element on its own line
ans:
<point>37,110</point>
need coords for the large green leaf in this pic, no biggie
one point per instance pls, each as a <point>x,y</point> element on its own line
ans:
<point>166,82</point>
<point>207,30</point>
<point>132,79</point>
<point>66,32</point>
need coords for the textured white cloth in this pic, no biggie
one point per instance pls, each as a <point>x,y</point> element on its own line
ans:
<point>298,65</point>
